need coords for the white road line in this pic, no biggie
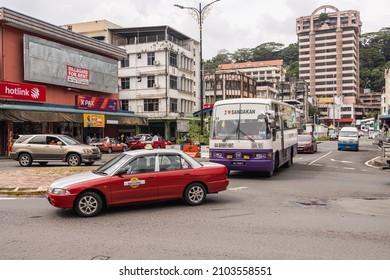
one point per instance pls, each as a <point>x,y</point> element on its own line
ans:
<point>349,168</point>
<point>316,164</point>
<point>311,163</point>
<point>368,163</point>
<point>343,161</point>
<point>237,189</point>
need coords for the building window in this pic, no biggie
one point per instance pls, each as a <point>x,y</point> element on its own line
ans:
<point>173,82</point>
<point>173,59</point>
<point>151,105</point>
<point>151,81</point>
<point>173,105</point>
<point>125,62</point>
<point>125,83</point>
<point>124,105</point>
<point>151,58</point>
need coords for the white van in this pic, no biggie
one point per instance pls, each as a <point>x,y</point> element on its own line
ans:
<point>348,139</point>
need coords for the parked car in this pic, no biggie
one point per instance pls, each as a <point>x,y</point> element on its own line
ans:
<point>141,140</point>
<point>307,144</point>
<point>109,145</point>
<point>43,148</point>
<point>139,176</point>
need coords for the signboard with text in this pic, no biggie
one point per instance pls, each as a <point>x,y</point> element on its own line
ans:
<point>22,91</point>
<point>77,75</point>
<point>96,103</point>
<point>93,120</point>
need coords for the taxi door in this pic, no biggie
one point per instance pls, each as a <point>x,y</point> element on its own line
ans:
<point>175,174</point>
<point>138,184</point>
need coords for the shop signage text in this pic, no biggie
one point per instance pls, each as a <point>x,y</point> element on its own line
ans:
<point>21,91</point>
<point>96,103</point>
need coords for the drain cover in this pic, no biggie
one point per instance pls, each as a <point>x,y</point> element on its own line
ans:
<point>100,258</point>
<point>313,203</point>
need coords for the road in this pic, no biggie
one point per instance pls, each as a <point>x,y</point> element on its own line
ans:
<point>328,205</point>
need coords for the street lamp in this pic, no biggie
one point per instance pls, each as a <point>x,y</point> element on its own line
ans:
<point>199,14</point>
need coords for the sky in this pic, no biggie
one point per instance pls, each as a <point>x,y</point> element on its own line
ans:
<point>230,25</point>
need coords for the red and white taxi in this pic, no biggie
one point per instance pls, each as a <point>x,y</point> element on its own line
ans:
<point>141,140</point>
<point>109,145</point>
<point>138,176</point>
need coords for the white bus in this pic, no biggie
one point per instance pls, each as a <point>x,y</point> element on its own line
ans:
<point>254,134</point>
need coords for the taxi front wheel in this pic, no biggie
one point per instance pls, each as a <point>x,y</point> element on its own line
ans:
<point>88,204</point>
<point>195,194</point>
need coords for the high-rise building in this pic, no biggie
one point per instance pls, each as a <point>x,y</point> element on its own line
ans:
<point>329,57</point>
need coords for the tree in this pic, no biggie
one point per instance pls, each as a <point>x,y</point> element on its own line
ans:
<point>194,132</point>
<point>242,55</point>
<point>222,57</point>
<point>267,51</point>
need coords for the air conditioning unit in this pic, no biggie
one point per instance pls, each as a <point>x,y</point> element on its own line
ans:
<point>156,85</point>
<point>156,62</point>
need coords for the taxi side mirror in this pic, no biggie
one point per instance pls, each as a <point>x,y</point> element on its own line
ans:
<point>121,171</point>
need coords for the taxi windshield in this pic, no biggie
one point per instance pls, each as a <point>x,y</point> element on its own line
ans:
<point>113,165</point>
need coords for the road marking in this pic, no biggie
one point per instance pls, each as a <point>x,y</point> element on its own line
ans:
<point>349,168</point>
<point>316,164</point>
<point>237,189</point>
<point>311,163</point>
<point>7,198</point>
<point>333,166</point>
<point>343,161</point>
<point>369,163</point>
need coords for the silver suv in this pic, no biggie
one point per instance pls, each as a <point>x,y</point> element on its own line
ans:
<point>43,148</point>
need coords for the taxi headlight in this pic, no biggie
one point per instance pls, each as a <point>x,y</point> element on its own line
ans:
<point>59,191</point>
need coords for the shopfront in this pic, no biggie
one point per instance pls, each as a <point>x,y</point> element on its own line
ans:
<point>17,119</point>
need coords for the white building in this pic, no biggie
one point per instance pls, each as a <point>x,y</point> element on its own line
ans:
<point>159,78</point>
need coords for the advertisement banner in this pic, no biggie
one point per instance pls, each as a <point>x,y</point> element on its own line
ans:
<point>93,120</point>
<point>21,91</point>
<point>96,103</point>
<point>77,75</point>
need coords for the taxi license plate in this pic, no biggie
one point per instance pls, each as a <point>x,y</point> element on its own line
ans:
<point>238,163</point>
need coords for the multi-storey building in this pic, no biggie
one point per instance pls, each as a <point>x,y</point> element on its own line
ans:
<point>329,55</point>
<point>158,78</point>
<point>228,85</point>
<point>268,75</point>
<point>52,80</point>
<point>371,101</point>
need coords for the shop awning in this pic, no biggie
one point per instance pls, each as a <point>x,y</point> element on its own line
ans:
<point>205,110</point>
<point>42,113</point>
<point>385,117</point>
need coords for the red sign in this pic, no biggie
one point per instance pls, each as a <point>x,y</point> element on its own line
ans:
<point>20,91</point>
<point>96,103</point>
<point>76,75</point>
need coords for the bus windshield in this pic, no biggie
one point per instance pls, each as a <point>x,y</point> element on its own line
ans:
<point>241,122</point>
